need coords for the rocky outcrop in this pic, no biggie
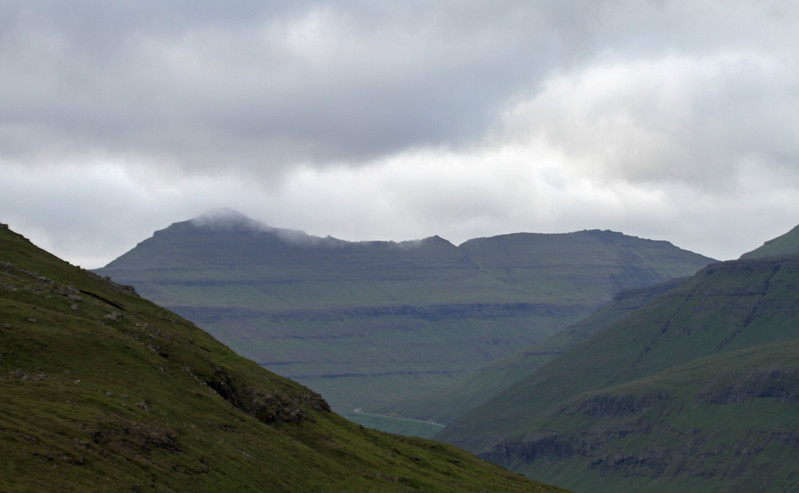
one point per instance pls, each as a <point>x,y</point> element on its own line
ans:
<point>268,407</point>
<point>781,384</point>
<point>602,406</point>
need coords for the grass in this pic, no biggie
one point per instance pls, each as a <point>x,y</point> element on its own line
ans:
<point>787,244</point>
<point>104,391</point>
<point>698,389</point>
<point>726,422</point>
<point>455,400</point>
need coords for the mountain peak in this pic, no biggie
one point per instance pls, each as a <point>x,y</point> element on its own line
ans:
<point>225,218</point>
<point>429,241</point>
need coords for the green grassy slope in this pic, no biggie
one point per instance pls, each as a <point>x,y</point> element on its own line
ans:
<point>727,422</point>
<point>370,323</point>
<point>726,307</point>
<point>449,404</point>
<point>105,391</point>
<point>787,244</point>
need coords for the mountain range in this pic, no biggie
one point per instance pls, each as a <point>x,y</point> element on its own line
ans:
<point>369,324</point>
<point>692,385</point>
<point>688,383</point>
<point>105,391</point>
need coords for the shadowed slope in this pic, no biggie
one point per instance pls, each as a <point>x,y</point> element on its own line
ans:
<point>447,405</point>
<point>713,362</point>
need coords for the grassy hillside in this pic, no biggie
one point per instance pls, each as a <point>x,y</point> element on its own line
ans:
<point>787,244</point>
<point>105,391</point>
<point>627,403</point>
<point>455,401</point>
<point>370,323</point>
<point>727,422</point>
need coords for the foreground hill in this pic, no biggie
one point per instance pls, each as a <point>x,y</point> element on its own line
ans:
<point>104,391</point>
<point>697,390</point>
<point>369,323</point>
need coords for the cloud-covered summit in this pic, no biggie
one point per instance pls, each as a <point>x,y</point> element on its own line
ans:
<point>225,218</point>
<point>228,220</point>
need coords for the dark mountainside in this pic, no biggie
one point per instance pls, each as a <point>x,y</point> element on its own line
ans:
<point>369,323</point>
<point>697,390</point>
<point>105,391</point>
<point>447,405</point>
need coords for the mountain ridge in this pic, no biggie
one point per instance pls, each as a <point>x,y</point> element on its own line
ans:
<point>786,244</point>
<point>416,315</point>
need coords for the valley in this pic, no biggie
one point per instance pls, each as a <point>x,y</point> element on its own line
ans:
<point>399,247</point>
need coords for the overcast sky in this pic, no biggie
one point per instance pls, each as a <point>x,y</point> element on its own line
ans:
<point>673,120</point>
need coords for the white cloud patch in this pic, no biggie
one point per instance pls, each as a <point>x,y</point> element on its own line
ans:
<point>658,120</point>
<point>458,195</point>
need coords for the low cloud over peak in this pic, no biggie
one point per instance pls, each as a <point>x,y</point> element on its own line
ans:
<point>226,218</point>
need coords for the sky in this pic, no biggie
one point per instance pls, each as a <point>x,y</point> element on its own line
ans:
<point>364,120</point>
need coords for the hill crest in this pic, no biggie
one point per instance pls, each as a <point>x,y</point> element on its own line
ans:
<point>112,392</point>
<point>787,244</point>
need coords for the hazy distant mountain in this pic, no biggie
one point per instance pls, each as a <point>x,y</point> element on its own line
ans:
<point>369,323</point>
<point>448,404</point>
<point>697,390</point>
<point>104,391</point>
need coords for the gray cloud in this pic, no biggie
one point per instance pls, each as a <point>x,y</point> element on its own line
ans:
<point>267,83</point>
<point>400,120</point>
